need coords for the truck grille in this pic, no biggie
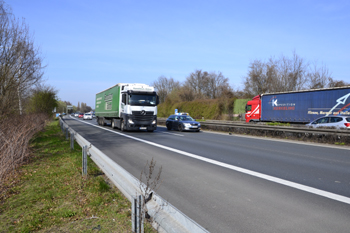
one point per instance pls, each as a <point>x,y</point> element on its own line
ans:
<point>137,116</point>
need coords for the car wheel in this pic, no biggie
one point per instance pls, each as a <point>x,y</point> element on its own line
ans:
<point>122,126</point>
<point>180,128</point>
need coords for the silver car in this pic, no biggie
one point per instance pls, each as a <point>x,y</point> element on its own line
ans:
<point>331,121</point>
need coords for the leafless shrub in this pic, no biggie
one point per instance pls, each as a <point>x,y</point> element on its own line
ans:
<point>149,182</point>
<point>15,135</point>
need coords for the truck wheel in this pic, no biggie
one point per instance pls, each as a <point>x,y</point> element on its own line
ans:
<point>181,128</point>
<point>113,124</point>
<point>122,126</point>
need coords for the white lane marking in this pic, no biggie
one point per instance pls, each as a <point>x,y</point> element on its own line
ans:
<point>174,134</point>
<point>239,169</point>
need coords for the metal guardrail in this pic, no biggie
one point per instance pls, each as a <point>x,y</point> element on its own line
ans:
<point>165,216</point>
<point>291,129</point>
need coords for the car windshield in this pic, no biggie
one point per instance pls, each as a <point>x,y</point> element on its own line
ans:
<point>144,100</point>
<point>185,118</point>
<point>87,114</point>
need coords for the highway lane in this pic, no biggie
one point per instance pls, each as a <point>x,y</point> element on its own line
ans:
<point>223,200</point>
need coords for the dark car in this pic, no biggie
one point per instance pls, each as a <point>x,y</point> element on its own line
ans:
<point>182,122</point>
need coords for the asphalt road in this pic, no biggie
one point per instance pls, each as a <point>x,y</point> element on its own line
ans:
<point>230,183</point>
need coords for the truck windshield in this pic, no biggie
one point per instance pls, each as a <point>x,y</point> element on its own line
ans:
<point>144,100</point>
<point>248,108</point>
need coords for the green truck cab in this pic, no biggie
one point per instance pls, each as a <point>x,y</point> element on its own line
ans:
<point>128,106</point>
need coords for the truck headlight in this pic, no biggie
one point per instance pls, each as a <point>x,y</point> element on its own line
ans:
<point>154,122</point>
<point>130,121</point>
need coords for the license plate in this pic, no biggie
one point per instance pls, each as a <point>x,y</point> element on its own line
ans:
<point>143,127</point>
<point>194,127</point>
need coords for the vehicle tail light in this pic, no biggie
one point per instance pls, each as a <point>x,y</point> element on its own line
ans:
<point>347,124</point>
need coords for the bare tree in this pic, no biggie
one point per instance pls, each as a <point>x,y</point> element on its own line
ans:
<point>197,82</point>
<point>318,77</point>
<point>261,78</point>
<point>204,85</point>
<point>291,73</point>
<point>164,86</point>
<point>284,74</point>
<point>218,86</point>
<point>20,62</point>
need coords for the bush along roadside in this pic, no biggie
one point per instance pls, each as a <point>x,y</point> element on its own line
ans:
<point>49,194</point>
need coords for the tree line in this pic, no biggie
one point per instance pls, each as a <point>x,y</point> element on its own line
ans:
<point>287,74</point>
<point>274,75</point>
<point>26,103</point>
<point>198,85</point>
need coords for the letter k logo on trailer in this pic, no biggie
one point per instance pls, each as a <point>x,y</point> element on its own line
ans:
<point>274,102</point>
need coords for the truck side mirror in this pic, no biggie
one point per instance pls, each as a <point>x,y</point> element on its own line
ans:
<point>124,98</point>
<point>157,101</point>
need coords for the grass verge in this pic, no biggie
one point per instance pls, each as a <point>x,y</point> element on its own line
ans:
<point>278,124</point>
<point>49,194</point>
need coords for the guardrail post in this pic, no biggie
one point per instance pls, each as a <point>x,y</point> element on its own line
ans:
<point>67,133</point>
<point>62,126</point>
<point>72,141</point>
<point>84,170</point>
<point>137,214</point>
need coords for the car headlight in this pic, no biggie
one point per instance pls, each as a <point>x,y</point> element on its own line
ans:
<point>130,121</point>
<point>187,125</point>
<point>199,125</point>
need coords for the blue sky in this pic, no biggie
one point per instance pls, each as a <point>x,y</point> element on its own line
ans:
<point>89,46</point>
